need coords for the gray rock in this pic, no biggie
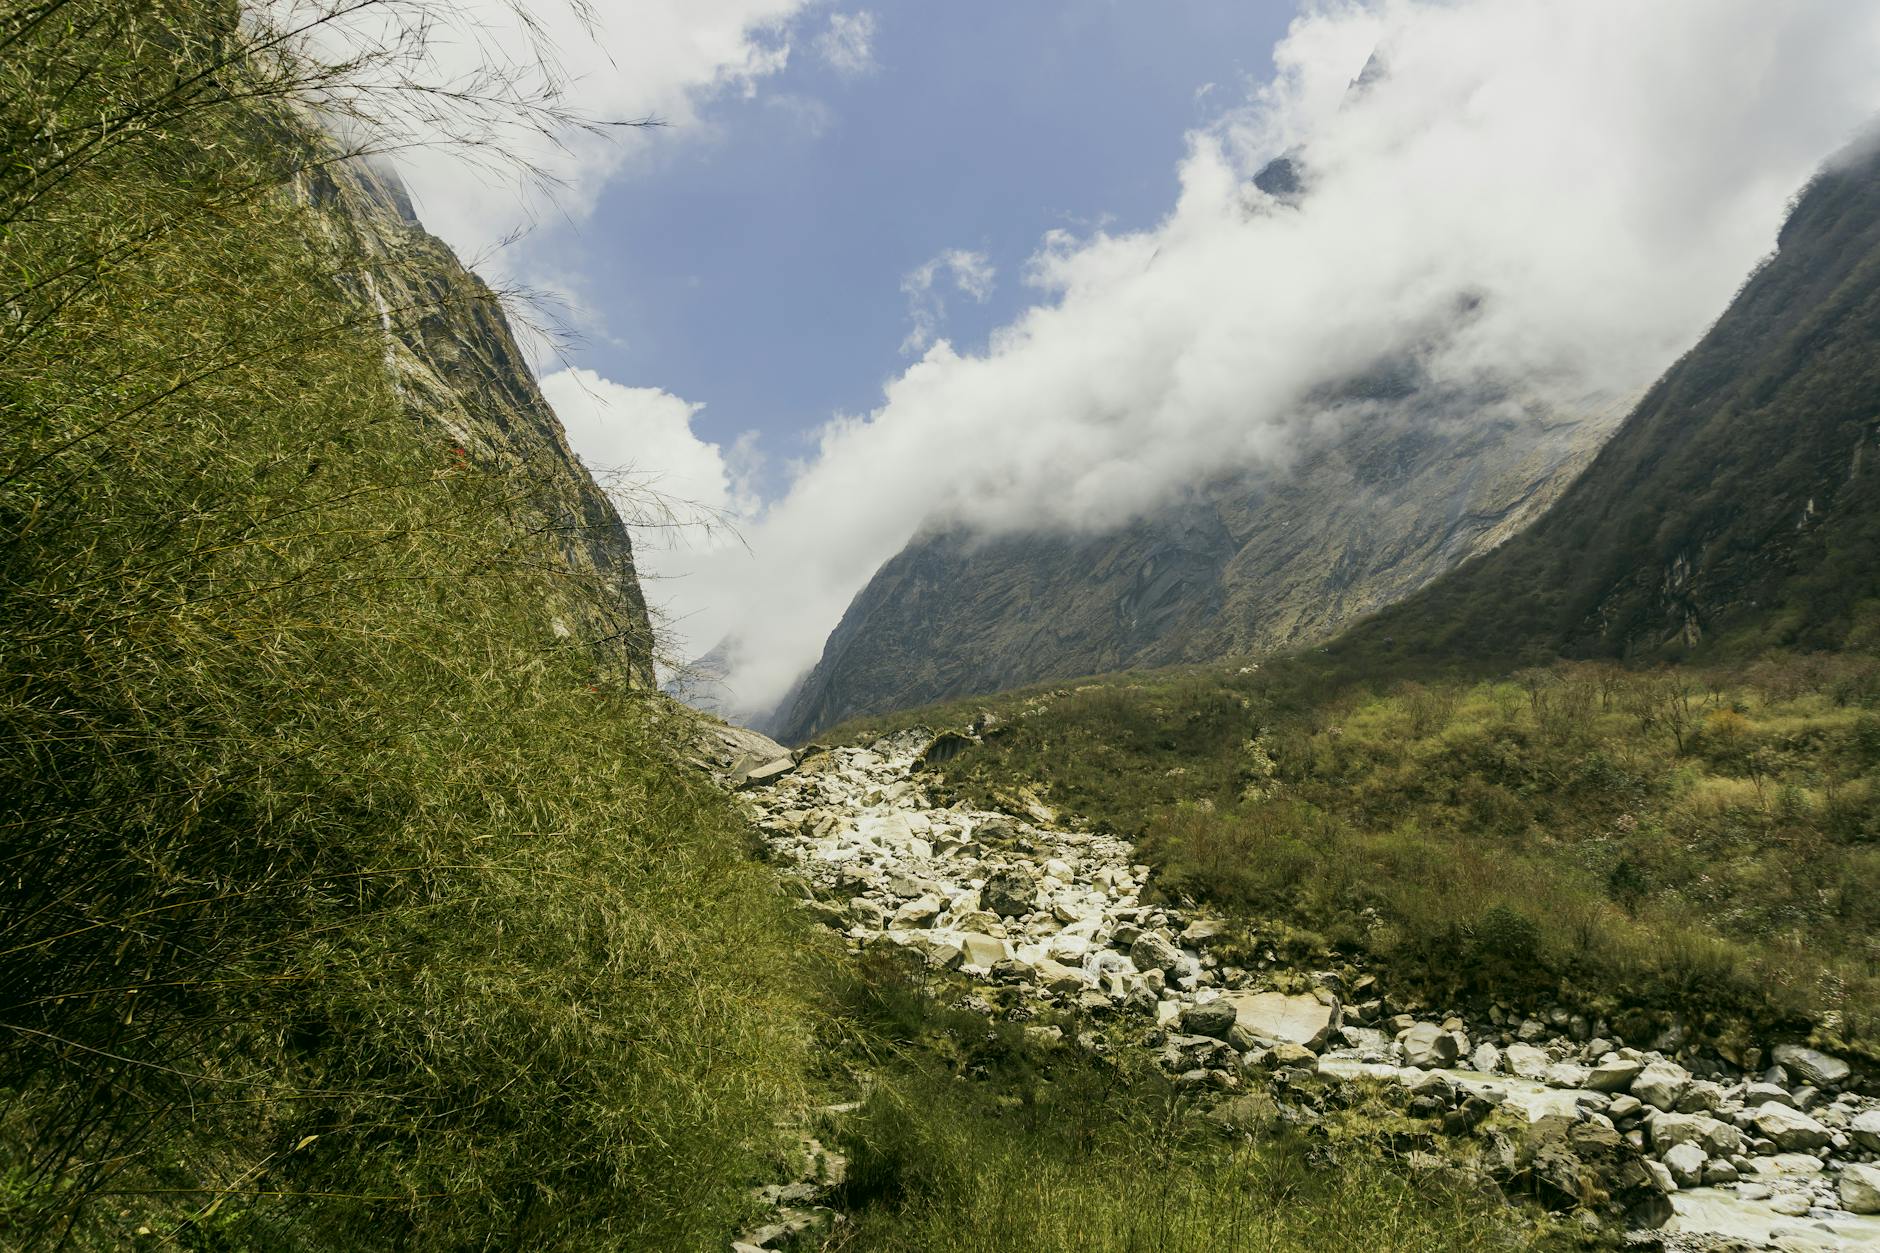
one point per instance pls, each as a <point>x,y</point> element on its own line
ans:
<point>1152,952</point>
<point>1715,1137</point>
<point>1428,1083</point>
<point>1202,931</point>
<point>918,912</point>
<point>983,950</point>
<point>1763,1093</point>
<point>1860,1189</point>
<point>1686,1164</point>
<point>1661,1084</point>
<point>1527,1061</point>
<point>1789,1129</point>
<point>1613,1074</point>
<point>1486,1058</point>
<point>1701,1097</point>
<point>1301,1020</point>
<point>1567,1075</point>
<point>1811,1066</point>
<point>1866,1130</point>
<point>1010,893</point>
<point>1428,1046</point>
<point>1059,977</point>
<point>1216,1019</point>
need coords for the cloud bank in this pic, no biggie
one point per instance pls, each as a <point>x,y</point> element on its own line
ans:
<point>606,62</point>
<point>1564,194</point>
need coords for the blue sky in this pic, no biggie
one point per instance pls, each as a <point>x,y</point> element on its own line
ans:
<point>755,266</point>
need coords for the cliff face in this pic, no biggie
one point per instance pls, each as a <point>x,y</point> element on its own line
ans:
<point>1742,493</point>
<point>457,364</point>
<point>1412,485</point>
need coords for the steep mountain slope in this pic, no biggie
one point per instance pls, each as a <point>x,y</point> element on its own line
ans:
<point>1742,494</point>
<point>358,896</point>
<point>1413,482</point>
<point>458,368</point>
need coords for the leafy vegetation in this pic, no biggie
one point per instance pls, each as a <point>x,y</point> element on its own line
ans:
<point>346,903</point>
<point>1640,842</point>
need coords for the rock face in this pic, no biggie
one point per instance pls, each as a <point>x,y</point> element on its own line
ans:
<point>457,365</point>
<point>1252,564</point>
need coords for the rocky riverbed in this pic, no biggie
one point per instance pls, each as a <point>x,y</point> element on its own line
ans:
<point>1675,1148</point>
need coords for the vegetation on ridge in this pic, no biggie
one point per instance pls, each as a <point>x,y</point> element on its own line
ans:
<point>346,905</point>
<point>1644,843</point>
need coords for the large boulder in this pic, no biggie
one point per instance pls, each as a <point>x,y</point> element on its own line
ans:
<point>1428,1047</point>
<point>1790,1129</point>
<point>1059,977</point>
<point>1811,1066</point>
<point>1302,1020</point>
<point>1860,1189</point>
<point>984,951</point>
<point>1614,1074</point>
<point>1527,1061</point>
<point>1010,893</point>
<point>1214,1019</point>
<point>918,912</point>
<point>1866,1130</point>
<point>1716,1137</point>
<point>1153,952</point>
<point>1686,1164</point>
<point>1661,1084</point>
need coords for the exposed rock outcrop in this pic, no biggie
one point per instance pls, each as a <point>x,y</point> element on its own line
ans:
<point>457,365</point>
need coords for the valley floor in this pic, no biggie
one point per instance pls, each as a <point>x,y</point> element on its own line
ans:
<point>1059,964</point>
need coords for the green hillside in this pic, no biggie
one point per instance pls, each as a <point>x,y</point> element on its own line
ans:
<point>353,897</point>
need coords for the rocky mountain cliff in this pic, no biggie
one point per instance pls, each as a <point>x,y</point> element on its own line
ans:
<point>1415,481</point>
<point>451,349</point>
<point>1742,494</point>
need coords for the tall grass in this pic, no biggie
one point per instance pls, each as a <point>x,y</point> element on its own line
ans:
<point>345,902</point>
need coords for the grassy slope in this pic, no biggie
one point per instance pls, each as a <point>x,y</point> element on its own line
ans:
<point>1642,843</point>
<point>344,905</point>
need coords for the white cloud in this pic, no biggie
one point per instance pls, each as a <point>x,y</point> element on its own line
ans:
<point>848,45</point>
<point>609,62</point>
<point>1590,180</point>
<point>683,496</point>
<point>972,275</point>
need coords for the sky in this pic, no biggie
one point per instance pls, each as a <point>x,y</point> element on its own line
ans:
<point>999,265</point>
